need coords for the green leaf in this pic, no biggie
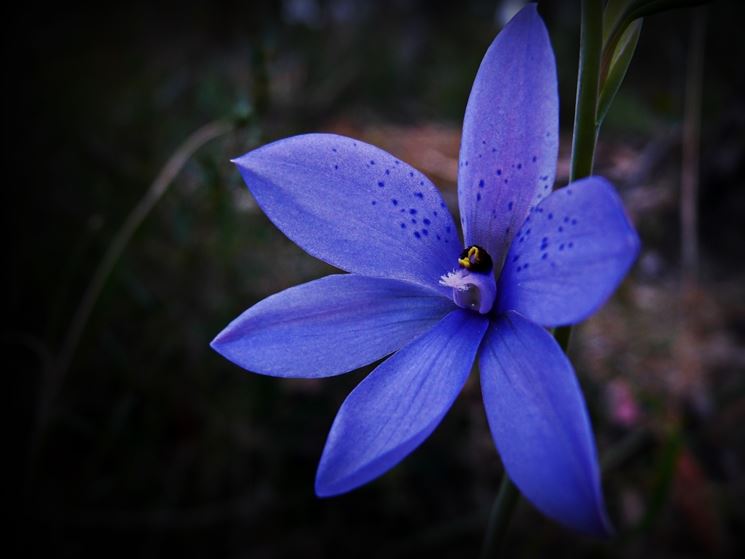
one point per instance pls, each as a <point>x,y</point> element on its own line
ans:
<point>614,12</point>
<point>619,64</point>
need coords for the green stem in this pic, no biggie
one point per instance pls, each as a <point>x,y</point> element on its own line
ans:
<point>584,135</point>
<point>499,517</point>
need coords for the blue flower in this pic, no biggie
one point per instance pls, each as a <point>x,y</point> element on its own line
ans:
<point>532,259</point>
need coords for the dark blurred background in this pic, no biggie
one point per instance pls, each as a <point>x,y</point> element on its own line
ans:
<point>146,443</point>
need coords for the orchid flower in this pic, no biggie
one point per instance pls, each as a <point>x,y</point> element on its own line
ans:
<point>533,259</point>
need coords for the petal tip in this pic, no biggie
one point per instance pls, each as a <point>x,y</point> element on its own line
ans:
<point>528,12</point>
<point>326,486</point>
<point>216,343</point>
<point>321,491</point>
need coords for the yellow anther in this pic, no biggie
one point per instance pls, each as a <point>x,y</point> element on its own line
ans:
<point>471,256</point>
<point>475,259</point>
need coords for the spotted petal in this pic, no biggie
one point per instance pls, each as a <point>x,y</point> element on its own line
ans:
<point>329,326</point>
<point>510,134</point>
<point>354,206</point>
<point>570,255</point>
<point>540,425</point>
<point>399,404</point>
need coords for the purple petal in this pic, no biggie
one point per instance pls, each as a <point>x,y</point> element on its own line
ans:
<point>399,404</point>
<point>329,326</point>
<point>540,425</point>
<point>510,134</point>
<point>570,255</point>
<point>354,206</point>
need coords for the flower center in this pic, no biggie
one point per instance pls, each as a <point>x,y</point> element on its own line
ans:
<point>473,282</point>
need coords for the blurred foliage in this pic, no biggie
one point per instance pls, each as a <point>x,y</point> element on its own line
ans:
<point>158,446</point>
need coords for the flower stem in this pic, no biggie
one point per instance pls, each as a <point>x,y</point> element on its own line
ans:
<point>585,133</point>
<point>584,136</point>
<point>499,517</point>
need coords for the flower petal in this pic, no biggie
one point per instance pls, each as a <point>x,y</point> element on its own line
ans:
<point>570,255</point>
<point>540,425</point>
<point>329,326</point>
<point>354,206</point>
<point>399,404</point>
<point>510,134</point>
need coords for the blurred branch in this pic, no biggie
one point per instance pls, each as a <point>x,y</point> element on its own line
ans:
<point>689,173</point>
<point>55,374</point>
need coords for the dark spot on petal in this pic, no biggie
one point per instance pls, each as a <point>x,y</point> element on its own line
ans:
<point>417,235</point>
<point>426,221</point>
<point>412,211</point>
<point>394,201</point>
<point>381,183</point>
